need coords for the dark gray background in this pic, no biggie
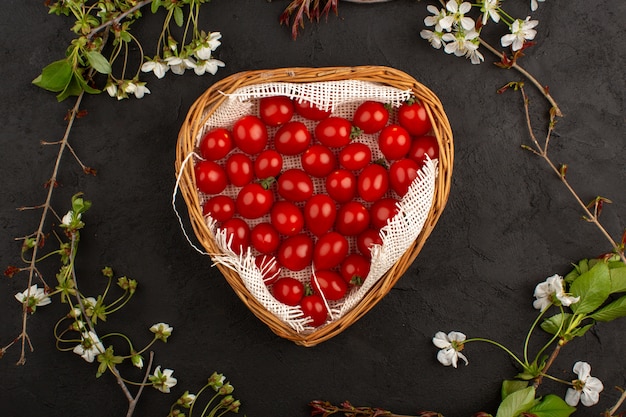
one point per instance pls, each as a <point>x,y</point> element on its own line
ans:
<point>508,225</point>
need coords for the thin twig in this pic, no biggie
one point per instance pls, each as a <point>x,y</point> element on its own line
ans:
<point>527,75</point>
<point>618,404</point>
<point>133,403</point>
<point>44,215</point>
<point>118,19</point>
<point>543,153</point>
<point>548,364</point>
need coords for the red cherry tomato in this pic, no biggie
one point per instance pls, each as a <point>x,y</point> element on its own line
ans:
<point>254,201</point>
<point>352,219</point>
<point>394,142</point>
<point>366,239</point>
<point>401,175</point>
<point>264,238</point>
<point>422,146</point>
<point>239,169</point>
<point>310,111</point>
<point>341,185</point>
<point>354,269</point>
<point>414,118</point>
<point>238,233</point>
<point>334,132</point>
<point>370,116</point>
<point>330,250</point>
<point>329,285</point>
<point>288,291</point>
<point>292,138</point>
<point>320,213</point>
<point>382,211</point>
<point>287,218</point>
<point>268,164</point>
<point>250,134</point>
<point>373,182</point>
<point>355,156</point>
<point>210,177</point>
<point>295,252</point>
<point>270,271</point>
<point>318,161</point>
<point>216,143</point>
<point>313,307</point>
<point>275,111</point>
<point>295,185</point>
<point>220,207</point>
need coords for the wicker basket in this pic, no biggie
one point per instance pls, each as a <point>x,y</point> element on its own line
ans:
<point>211,100</point>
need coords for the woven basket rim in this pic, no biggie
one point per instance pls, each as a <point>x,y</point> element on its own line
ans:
<point>212,98</point>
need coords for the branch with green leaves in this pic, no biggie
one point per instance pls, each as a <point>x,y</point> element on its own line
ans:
<point>104,43</point>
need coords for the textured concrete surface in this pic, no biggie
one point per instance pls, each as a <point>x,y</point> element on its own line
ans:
<point>508,225</point>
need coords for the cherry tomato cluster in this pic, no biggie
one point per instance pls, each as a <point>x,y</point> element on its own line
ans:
<point>294,183</point>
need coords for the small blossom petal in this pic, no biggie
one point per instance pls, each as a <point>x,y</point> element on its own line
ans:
<point>161,331</point>
<point>534,5</point>
<point>90,347</point>
<point>33,297</point>
<point>521,31</point>
<point>434,38</point>
<point>450,346</point>
<point>551,292</point>
<point>586,388</point>
<point>164,380</point>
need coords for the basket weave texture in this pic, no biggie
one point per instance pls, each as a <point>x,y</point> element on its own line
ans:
<point>213,97</point>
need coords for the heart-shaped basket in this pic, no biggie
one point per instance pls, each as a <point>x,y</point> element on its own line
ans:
<point>214,99</point>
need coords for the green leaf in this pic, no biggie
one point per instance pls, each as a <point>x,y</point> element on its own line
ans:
<point>516,403</point>
<point>83,83</point>
<point>55,76</point>
<point>179,18</point>
<point>617,271</point>
<point>73,88</point>
<point>551,406</point>
<point>593,287</point>
<point>509,386</point>
<point>155,5</point>
<point>552,324</point>
<point>578,331</point>
<point>98,62</point>
<point>611,311</point>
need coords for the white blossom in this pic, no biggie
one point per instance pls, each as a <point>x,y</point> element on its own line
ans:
<point>163,381</point>
<point>551,291</point>
<point>490,10</point>
<point>208,45</point>
<point>179,65</point>
<point>33,297</point>
<point>208,65</point>
<point>534,5</point>
<point>90,347</point>
<point>157,66</point>
<point>521,31</point>
<point>436,19</point>
<point>162,331</point>
<point>586,388</point>
<point>459,43</point>
<point>434,38</point>
<point>112,90</point>
<point>450,346</point>
<point>457,15</point>
<point>67,219</point>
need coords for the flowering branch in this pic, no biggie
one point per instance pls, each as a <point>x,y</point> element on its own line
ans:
<point>36,240</point>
